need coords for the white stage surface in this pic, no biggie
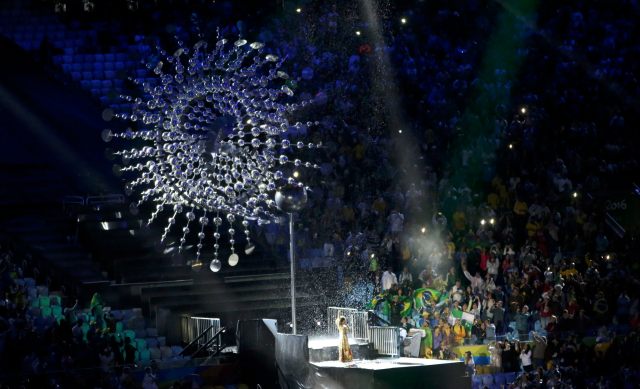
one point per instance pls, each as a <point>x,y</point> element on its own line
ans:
<point>385,363</point>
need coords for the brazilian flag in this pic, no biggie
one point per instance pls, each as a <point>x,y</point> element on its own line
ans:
<point>407,306</point>
<point>422,296</point>
<point>382,298</point>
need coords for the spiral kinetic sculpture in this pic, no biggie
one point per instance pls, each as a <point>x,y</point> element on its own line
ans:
<point>211,141</point>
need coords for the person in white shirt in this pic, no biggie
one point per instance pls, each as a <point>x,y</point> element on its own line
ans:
<point>456,292</point>
<point>388,279</point>
<point>405,276</point>
<point>525,357</point>
<point>476,281</point>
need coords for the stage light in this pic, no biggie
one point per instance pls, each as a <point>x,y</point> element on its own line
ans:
<point>399,131</point>
<point>210,139</point>
<point>249,249</point>
<point>318,323</point>
<point>373,255</point>
<point>196,265</point>
<point>403,20</point>
<point>423,230</point>
<point>492,221</point>
<point>575,195</point>
<point>482,222</point>
<point>608,257</point>
<point>358,33</point>
<point>523,110</point>
<point>298,10</point>
<point>296,174</point>
<point>510,145</point>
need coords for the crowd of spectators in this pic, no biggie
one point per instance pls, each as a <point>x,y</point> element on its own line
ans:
<point>71,347</point>
<point>489,191</point>
<point>505,217</point>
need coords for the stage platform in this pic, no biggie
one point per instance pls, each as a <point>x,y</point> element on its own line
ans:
<point>389,373</point>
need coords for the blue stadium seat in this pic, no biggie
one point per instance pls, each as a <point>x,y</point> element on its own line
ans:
<point>487,379</point>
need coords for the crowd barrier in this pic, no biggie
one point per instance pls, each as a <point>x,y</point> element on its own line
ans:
<point>356,320</point>
<point>193,326</point>
<point>386,340</point>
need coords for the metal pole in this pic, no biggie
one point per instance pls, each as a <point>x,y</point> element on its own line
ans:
<point>292,259</point>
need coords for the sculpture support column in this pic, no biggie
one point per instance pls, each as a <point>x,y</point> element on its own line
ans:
<point>292,259</point>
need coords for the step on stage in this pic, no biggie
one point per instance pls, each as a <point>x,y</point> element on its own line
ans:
<point>388,373</point>
<point>379,373</point>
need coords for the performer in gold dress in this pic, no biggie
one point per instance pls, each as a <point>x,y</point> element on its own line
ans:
<point>344,351</point>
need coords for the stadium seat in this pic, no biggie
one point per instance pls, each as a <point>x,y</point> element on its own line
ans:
<point>130,334</point>
<point>145,355</point>
<point>487,379</point>
<point>155,353</point>
<point>141,344</point>
<point>56,310</point>
<point>499,379</point>
<point>43,291</point>
<point>166,352</point>
<point>152,342</point>
<point>509,377</point>
<point>45,311</point>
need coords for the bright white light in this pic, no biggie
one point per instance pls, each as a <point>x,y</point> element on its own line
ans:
<point>523,110</point>
<point>482,222</point>
<point>423,229</point>
<point>492,221</point>
<point>296,174</point>
<point>575,195</point>
<point>403,20</point>
<point>298,10</point>
<point>358,32</point>
<point>510,145</point>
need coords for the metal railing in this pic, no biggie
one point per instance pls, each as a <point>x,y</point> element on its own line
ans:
<point>356,320</point>
<point>386,340</point>
<point>202,329</point>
